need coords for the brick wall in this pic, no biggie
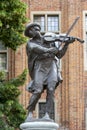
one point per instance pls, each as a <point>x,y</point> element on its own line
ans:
<point>70,95</point>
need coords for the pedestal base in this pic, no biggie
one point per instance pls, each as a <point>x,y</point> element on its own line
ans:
<point>39,126</point>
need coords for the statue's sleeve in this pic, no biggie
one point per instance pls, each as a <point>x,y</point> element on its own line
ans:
<point>38,48</point>
<point>62,52</point>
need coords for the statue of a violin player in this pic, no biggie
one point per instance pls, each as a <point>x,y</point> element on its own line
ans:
<point>43,56</point>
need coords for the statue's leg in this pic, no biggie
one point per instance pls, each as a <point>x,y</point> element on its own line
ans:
<point>50,97</point>
<point>32,104</point>
<point>33,101</point>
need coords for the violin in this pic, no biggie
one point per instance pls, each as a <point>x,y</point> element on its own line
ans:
<point>52,37</point>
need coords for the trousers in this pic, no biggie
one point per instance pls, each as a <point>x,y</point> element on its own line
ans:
<point>49,98</point>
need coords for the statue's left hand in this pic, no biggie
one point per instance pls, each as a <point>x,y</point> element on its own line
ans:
<point>69,40</point>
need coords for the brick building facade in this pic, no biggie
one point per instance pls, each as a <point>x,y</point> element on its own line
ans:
<point>70,109</point>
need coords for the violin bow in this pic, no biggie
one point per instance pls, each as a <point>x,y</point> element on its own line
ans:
<point>69,30</point>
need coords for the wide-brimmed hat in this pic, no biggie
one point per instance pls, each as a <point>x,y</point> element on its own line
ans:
<point>28,26</point>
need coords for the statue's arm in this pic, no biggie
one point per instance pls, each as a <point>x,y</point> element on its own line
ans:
<point>38,48</point>
<point>62,52</point>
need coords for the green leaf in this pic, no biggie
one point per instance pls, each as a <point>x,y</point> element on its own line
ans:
<point>12,13</point>
<point>0,23</point>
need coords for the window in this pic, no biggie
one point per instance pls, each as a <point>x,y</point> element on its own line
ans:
<point>41,20</point>
<point>53,23</point>
<point>3,57</point>
<point>49,21</point>
<point>85,38</point>
<point>42,106</point>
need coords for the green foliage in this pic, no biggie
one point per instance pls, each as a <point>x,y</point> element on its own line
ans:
<point>4,125</point>
<point>2,75</point>
<point>12,20</point>
<point>19,80</point>
<point>12,113</point>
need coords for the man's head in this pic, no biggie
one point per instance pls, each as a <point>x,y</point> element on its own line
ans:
<point>30,30</point>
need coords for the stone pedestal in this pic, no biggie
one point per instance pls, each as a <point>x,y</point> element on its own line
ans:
<point>39,126</point>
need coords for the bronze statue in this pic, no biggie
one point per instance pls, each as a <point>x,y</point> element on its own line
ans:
<point>43,57</point>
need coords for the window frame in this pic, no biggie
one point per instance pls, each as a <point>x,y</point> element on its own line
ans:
<point>84,37</point>
<point>5,52</point>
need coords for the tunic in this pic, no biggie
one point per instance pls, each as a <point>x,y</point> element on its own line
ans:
<point>43,66</point>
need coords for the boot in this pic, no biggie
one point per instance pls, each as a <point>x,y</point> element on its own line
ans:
<point>47,117</point>
<point>29,117</point>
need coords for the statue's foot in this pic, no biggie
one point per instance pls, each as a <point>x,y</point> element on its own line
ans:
<point>46,118</point>
<point>29,119</point>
